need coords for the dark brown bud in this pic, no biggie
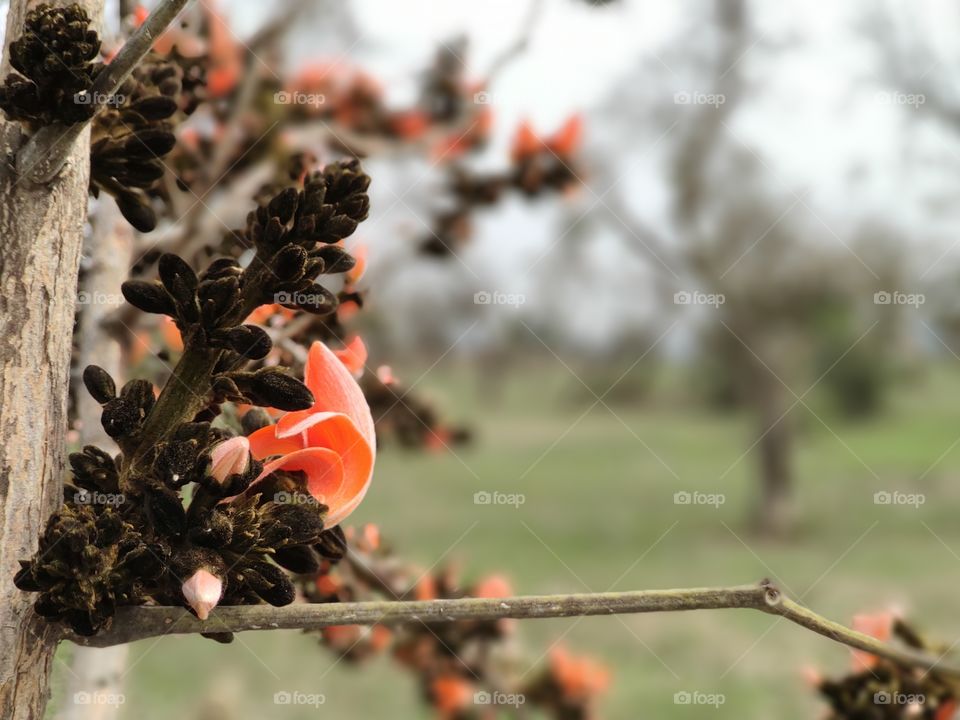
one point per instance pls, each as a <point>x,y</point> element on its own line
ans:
<point>270,387</point>
<point>148,296</point>
<point>99,384</point>
<point>137,211</point>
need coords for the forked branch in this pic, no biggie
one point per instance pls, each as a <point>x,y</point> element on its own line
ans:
<point>138,623</point>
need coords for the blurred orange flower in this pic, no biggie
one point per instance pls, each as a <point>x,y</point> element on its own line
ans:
<point>579,677</point>
<point>353,356</point>
<point>451,694</point>
<point>878,625</point>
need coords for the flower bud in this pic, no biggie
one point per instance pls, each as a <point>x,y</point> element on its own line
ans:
<point>202,592</point>
<point>231,457</point>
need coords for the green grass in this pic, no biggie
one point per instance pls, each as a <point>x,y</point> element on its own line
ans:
<point>599,514</point>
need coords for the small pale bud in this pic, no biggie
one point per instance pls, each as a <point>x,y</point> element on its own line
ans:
<point>231,457</point>
<point>202,592</point>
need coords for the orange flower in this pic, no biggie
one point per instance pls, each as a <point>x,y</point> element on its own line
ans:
<point>566,140</point>
<point>353,356</point>
<point>333,442</point>
<point>947,710</point>
<point>877,625</point>
<point>171,334</point>
<point>426,588</point>
<point>578,677</point>
<point>525,142</point>
<point>347,310</point>
<point>409,124</point>
<point>140,14</point>
<point>453,146</point>
<point>380,637</point>
<point>352,275</point>
<point>328,585</point>
<point>265,313</point>
<point>451,694</point>
<point>226,63</point>
<point>438,439</point>
<point>371,536</point>
<point>492,586</point>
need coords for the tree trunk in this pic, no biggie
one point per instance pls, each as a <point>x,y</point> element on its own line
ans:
<point>41,229</point>
<point>774,515</point>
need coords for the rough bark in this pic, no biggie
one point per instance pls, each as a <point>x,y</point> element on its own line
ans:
<point>41,229</point>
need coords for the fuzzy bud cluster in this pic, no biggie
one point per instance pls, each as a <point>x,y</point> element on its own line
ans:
<point>54,63</point>
<point>130,138</point>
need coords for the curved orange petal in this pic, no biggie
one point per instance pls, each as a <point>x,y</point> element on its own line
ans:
<point>322,467</point>
<point>339,433</point>
<point>333,433</point>
<point>335,390</point>
<point>566,140</point>
<point>525,142</point>
<point>264,443</point>
<point>359,253</point>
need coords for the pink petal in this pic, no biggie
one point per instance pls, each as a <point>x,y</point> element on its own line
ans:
<point>230,457</point>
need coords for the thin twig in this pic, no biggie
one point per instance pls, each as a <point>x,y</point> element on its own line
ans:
<point>137,623</point>
<point>44,154</point>
<point>520,44</point>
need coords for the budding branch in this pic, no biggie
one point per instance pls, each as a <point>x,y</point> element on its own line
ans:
<point>138,623</point>
<point>45,153</point>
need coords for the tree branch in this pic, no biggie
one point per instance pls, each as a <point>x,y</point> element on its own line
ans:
<point>138,623</point>
<point>45,154</point>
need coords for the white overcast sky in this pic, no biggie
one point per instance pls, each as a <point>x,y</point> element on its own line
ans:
<point>813,115</point>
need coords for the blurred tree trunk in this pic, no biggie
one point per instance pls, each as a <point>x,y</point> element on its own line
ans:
<point>714,239</point>
<point>774,504</point>
<point>109,248</point>
<point>42,230</point>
